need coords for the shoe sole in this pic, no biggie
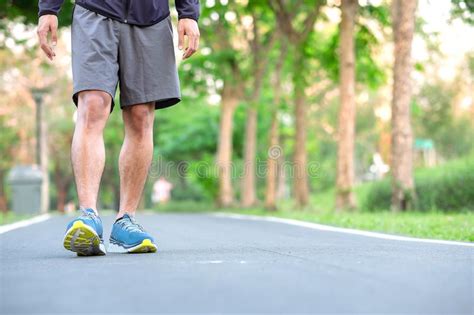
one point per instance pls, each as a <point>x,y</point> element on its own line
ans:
<point>146,246</point>
<point>83,240</point>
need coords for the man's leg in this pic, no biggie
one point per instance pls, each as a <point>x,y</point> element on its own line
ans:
<point>88,151</point>
<point>136,155</point>
<point>84,235</point>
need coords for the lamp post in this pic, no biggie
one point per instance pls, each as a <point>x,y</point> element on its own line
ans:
<point>42,145</point>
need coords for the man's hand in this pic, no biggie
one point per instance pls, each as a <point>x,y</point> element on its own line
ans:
<point>48,24</point>
<point>189,28</point>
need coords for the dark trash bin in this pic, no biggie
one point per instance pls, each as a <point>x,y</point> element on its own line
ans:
<point>25,182</point>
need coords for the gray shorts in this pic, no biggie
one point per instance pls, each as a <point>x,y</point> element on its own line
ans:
<point>106,52</point>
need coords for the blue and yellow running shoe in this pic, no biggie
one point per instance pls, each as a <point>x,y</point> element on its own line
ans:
<point>84,235</point>
<point>129,237</point>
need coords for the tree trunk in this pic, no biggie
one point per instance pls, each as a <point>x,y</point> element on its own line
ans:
<point>62,182</point>
<point>43,154</point>
<point>116,190</point>
<point>248,191</point>
<point>182,170</point>
<point>3,198</point>
<point>224,150</point>
<point>274,150</point>
<point>285,15</point>
<point>402,138</point>
<point>345,153</point>
<point>282,190</point>
<point>249,197</point>
<point>301,190</point>
<point>274,153</point>
<point>61,197</point>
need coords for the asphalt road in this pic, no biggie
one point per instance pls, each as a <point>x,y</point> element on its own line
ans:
<point>209,264</point>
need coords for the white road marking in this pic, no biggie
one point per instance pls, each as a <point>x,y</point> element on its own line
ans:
<point>16,225</point>
<point>210,262</point>
<point>321,227</point>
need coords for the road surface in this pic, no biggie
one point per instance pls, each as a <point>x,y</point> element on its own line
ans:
<point>209,264</point>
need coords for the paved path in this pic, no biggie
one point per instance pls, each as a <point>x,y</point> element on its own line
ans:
<point>209,264</point>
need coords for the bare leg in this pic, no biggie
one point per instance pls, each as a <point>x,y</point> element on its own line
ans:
<point>88,151</point>
<point>135,156</point>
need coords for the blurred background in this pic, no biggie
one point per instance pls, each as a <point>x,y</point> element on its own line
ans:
<point>261,101</point>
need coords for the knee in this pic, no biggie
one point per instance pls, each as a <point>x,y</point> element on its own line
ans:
<point>93,109</point>
<point>140,120</point>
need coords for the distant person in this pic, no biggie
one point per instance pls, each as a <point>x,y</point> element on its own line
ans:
<point>378,167</point>
<point>70,207</point>
<point>128,43</point>
<point>161,191</point>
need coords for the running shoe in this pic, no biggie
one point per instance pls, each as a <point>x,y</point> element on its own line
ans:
<point>84,235</point>
<point>129,237</point>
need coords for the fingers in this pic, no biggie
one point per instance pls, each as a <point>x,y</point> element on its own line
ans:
<point>180,36</point>
<point>188,28</point>
<point>193,45</point>
<point>48,24</point>
<point>54,35</point>
<point>43,41</point>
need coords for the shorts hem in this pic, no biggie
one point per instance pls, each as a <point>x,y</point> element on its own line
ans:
<point>75,95</point>
<point>160,102</point>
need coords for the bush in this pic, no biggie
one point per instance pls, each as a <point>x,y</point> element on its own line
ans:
<point>449,187</point>
<point>203,174</point>
<point>378,197</point>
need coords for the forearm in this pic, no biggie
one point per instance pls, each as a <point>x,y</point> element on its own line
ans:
<point>49,7</point>
<point>187,9</point>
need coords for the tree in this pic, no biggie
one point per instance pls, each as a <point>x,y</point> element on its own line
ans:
<point>60,131</point>
<point>297,35</point>
<point>260,44</point>
<point>231,94</point>
<point>274,151</point>
<point>238,40</point>
<point>403,191</point>
<point>230,99</point>
<point>346,132</point>
<point>219,70</point>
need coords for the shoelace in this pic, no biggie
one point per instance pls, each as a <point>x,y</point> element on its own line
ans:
<point>89,214</point>
<point>131,225</point>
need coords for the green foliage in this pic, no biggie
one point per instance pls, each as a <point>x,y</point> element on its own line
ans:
<point>8,139</point>
<point>26,11</point>
<point>368,71</point>
<point>463,9</point>
<point>380,13</point>
<point>434,119</point>
<point>10,217</point>
<point>444,188</point>
<point>379,196</point>
<point>204,174</point>
<point>187,131</point>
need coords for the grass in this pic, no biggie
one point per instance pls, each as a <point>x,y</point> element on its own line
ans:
<point>10,217</point>
<point>456,226</point>
<point>436,225</point>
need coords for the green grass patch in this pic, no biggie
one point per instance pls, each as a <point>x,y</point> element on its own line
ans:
<point>10,217</point>
<point>436,225</point>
